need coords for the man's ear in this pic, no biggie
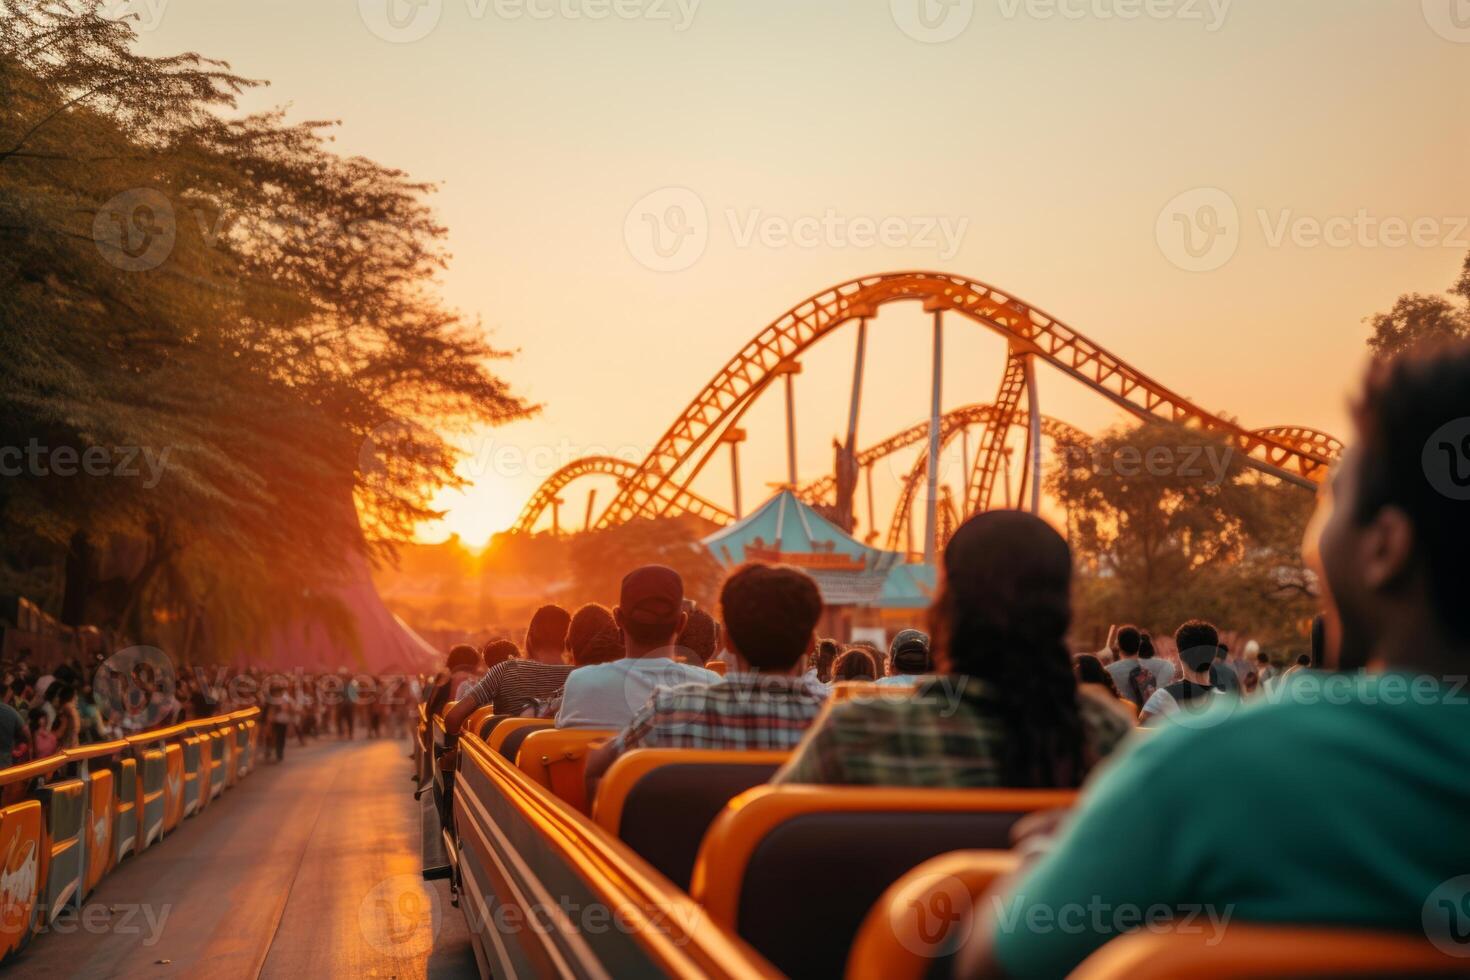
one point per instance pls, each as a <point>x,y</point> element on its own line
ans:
<point>618,616</point>
<point>1388,548</point>
<point>683,622</point>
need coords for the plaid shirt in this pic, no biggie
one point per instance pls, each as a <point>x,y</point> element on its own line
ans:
<point>940,736</point>
<point>744,711</point>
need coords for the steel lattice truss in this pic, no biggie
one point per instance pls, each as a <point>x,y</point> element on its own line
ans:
<point>658,485</point>
<point>681,501</point>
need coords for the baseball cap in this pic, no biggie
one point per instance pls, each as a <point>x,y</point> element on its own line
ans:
<point>907,640</point>
<point>653,595</point>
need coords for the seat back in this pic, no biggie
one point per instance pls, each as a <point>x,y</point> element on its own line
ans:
<point>1248,950</point>
<point>557,759</point>
<point>822,856</point>
<point>510,726</point>
<point>660,802</point>
<point>919,923</point>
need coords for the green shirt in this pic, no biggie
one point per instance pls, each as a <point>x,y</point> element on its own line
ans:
<point>1341,800</point>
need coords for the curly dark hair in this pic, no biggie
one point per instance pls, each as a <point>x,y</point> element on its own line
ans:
<point>498,652</point>
<point>770,612</point>
<point>698,638</point>
<point>1001,616</point>
<point>854,664</point>
<point>589,633</point>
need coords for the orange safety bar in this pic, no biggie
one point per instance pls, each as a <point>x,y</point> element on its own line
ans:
<point>871,691</point>
<point>502,731</point>
<point>557,759</point>
<point>899,939</point>
<point>719,874</point>
<point>630,767</point>
<point>1248,950</point>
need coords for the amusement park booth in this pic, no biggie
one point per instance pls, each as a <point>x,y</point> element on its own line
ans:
<point>864,588</point>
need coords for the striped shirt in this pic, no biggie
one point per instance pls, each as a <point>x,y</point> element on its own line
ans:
<point>513,684</point>
<point>743,711</point>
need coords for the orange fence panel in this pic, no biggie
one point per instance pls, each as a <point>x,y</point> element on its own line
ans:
<point>173,787</point>
<point>100,788</point>
<point>20,874</point>
<point>65,804</point>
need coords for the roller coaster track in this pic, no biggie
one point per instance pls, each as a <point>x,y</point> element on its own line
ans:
<point>654,486</point>
<point>681,501</point>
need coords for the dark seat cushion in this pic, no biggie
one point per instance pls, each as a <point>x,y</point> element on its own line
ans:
<point>667,812</point>
<point>512,743</point>
<point>811,882</point>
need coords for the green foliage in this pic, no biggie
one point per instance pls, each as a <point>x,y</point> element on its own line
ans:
<point>226,291</point>
<point>1418,319</point>
<point>1168,523</point>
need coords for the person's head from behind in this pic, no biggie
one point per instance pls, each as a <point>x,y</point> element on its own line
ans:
<point>1199,644</point>
<point>699,637</point>
<point>1222,652</point>
<point>546,635</point>
<point>910,654</point>
<point>36,720</point>
<point>1391,531</point>
<point>592,637</point>
<point>1090,670</point>
<point>825,656</point>
<point>650,609</point>
<point>1145,647</point>
<point>497,652</point>
<point>1129,641</point>
<point>854,664</point>
<point>463,659</point>
<point>770,614</point>
<point>1001,617</point>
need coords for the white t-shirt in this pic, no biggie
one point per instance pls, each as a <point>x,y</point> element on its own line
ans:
<point>608,695</point>
<point>903,680</point>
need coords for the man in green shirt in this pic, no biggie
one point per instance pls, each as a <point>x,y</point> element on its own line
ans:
<point>1370,763</point>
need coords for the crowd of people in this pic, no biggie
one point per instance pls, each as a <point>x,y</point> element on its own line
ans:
<point>1175,742</point>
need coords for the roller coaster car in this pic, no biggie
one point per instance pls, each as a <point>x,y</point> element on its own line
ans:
<point>660,802</point>
<point>849,844</point>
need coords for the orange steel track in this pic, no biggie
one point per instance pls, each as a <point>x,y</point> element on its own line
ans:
<point>682,501</point>
<point>658,486</point>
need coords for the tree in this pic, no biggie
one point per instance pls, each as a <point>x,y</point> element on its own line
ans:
<point>1168,523</point>
<point>1417,319</point>
<point>229,295</point>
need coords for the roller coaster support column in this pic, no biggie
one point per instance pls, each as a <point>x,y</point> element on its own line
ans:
<point>857,384</point>
<point>790,369</point>
<point>735,437</point>
<point>591,500</point>
<point>556,503</point>
<point>1033,436</point>
<point>931,499</point>
<point>872,534</point>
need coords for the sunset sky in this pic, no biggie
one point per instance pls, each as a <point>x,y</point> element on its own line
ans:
<point>1054,142</point>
